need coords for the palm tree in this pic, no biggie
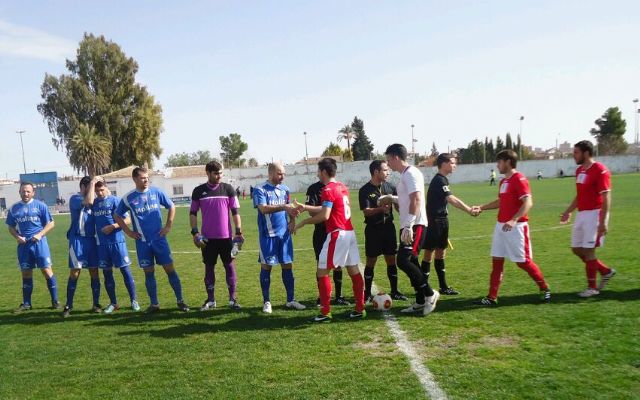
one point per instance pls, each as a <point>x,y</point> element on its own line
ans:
<point>89,152</point>
<point>346,133</point>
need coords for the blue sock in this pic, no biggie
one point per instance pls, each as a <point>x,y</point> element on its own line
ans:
<point>289,285</point>
<point>52,284</point>
<point>152,287</point>
<point>110,285</point>
<point>174,280</point>
<point>265,284</point>
<point>95,290</point>
<point>71,291</point>
<point>27,289</point>
<point>129,282</point>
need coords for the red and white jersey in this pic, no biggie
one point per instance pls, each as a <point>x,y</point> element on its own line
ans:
<point>512,191</point>
<point>590,184</point>
<point>335,195</point>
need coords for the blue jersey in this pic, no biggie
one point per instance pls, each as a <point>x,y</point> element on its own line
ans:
<point>103,210</point>
<point>82,223</point>
<point>144,208</point>
<point>274,224</point>
<point>29,218</point>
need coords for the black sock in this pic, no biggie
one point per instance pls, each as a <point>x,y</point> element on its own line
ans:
<point>368,281</point>
<point>392,274</point>
<point>337,281</point>
<point>439,264</point>
<point>425,267</point>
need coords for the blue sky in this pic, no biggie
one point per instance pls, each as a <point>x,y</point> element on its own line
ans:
<point>270,70</point>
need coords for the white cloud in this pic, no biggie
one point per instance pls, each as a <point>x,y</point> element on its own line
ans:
<point>22,41</point>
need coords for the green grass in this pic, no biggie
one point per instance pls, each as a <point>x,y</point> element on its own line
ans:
<point>569,349</point>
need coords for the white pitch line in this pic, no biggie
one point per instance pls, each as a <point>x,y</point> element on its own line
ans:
<point>421,371</point>
<point>361,245</point>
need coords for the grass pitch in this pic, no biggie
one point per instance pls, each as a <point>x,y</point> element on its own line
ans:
<point>571,348</point>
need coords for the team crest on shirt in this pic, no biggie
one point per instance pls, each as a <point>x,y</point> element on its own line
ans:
<point>153,197</point>
<point>581,178</point>
<point>504,187</point>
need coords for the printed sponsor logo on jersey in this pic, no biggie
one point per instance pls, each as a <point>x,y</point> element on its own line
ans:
<point>147,208</point>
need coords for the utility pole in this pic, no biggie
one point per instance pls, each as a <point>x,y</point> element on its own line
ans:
<point>24,164</point>
<point>306,152</point>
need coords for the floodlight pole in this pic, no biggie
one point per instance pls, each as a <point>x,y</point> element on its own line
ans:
<point>521,141</point>
<point>24,164</point>
<point>306,152</point>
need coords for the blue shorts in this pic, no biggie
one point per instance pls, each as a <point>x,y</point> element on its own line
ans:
<point>154,252</point>
<point>34,254</point>
<point>113,255</point>
<point>83,252</point>
<point>276,250</point>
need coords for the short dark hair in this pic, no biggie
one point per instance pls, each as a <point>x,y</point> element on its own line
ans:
<point>213,166</point>
<point>443,158</point>
<point>397,149</point>
<point>139,170</point>
<point>25,183</point>
<point>585,145</point>
<point>85,181</point>
<point>328,165</point>
<point>510,155</point>
<point>100,184</point>
<point>376,165</point>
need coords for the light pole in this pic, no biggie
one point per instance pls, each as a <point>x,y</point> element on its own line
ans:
<point>24,164</point>
<point>306,152</point>
<point>521,141</point>
<point>413,142</point>
<point>636,111</point>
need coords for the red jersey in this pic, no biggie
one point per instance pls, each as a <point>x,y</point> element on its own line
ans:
<point>335,195</point>
<point>590,184</point>
<point>512,191</point>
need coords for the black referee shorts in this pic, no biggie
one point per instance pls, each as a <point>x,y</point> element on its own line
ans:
<point>437,234</point>
<point>215,248</point>
<point>319,237</point>
<point>380,239</point>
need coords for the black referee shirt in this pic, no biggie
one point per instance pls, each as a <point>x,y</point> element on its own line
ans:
<point>313,199</point>
<point>369,195</point>
<point>437,197</point>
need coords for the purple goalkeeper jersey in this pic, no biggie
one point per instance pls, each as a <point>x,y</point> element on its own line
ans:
<point>215,201</point>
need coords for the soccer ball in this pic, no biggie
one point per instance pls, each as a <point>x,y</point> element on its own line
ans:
<point>381,302</point>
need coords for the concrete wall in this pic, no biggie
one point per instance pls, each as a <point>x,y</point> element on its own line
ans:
<point>353,174</point>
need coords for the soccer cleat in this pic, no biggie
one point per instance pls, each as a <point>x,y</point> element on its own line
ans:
<point>545,295</point>
<point>111,308</point>
<point>182,306</point>
<point>295,305</point>
<point>413,309</point>
<point>449,291</point>
<point>322,318</point>
<point>55,305</point>
<point>397,296</point>
<point>234,305</point>
<point>358,314</point>
<point>208,305</point>
<point>97,308</point>
<point>589,292</point>
<point>22,308</point>
<point>605,279</point>
<point>135,306</point>
<point>430,303</point>
<point>66,312</point>
<point>266,307</point>
<point>341,301</point>
<point>487,302</point>
<point>153,308</point>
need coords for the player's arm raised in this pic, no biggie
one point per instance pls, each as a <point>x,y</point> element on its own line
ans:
<point>566,215</point>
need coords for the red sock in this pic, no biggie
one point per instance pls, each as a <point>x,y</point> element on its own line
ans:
<point>602,268</point>
<point>496,277</point>
<point>324,286</point>
<point>592,273</point>
<point>534,272</point>
<point>357,283</point>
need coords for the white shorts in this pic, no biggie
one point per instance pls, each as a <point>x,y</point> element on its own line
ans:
<point>585,230</point>
<point>340,249</point>
<point>514,244</point>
